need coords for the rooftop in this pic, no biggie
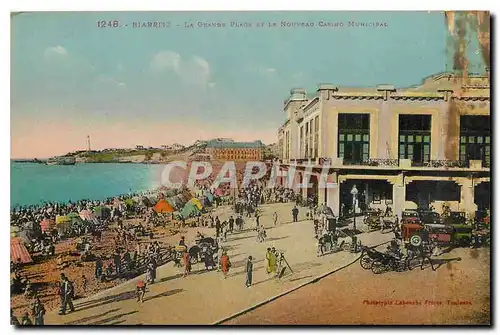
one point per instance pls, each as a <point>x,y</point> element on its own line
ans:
<point>226,144</point>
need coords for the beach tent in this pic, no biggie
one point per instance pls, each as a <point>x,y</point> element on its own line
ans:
<point>89,216</point>
<point>14,230</point>
<point>219,192</point>
<point>60,219</point>
<point>189,209</point>
<point>196,202</point>
<point>102,212</point>
<point>73,215</point>
<point>47,225</point>
<point>163,207</point>
<point>19,252</point>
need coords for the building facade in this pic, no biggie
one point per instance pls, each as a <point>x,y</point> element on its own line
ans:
<point>230,150</point>
<point>423,146</point>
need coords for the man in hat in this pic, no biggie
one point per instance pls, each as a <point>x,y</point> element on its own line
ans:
<point>38,312</point>
<point>249,269</point>
<point>66,294</point>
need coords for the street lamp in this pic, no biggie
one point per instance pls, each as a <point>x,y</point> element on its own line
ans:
<point>354,193</point>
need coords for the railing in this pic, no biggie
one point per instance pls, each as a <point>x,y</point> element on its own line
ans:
<point>324,161</point>
<point>374,162</point>
<point>446,163</point>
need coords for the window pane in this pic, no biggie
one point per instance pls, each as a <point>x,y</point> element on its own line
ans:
<point>427,138</point>
<point>341,137</point>
<point>479,139</point>
<point>426,157</point>
<point>426,149</point>
<point>401,138</point>
<point>418,138</point>
<point>410,157</point>
<point>341,149</point>
<point>365,148</point>
<point>358,137</point>
<point>487,149</point>
<point>487,139</point>
<point>462,157</point>
<point>349,137</point>
<point>410,138</point>
<point>463,139</point>
<point>365,157</point>
<point>402,149</point>
<point>410,149</point>
<point>462,149</point>
<point>471,139</point>
<point>366,138</point>
<point>401,156</point>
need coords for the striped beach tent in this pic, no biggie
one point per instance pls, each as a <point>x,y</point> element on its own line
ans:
<point>46,225</point>
<point>18,251</point>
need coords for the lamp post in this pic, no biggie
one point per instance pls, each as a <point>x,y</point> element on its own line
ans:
<point>354,193</point>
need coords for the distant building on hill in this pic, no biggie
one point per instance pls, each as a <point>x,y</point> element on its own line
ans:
<point>230,150</point>
<point>139,147</point>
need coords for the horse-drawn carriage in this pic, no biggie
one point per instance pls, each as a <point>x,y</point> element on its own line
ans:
<point>378,262</point>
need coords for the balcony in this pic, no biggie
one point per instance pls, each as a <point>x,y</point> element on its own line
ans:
<point>445,163</point>
<point>381,162</point>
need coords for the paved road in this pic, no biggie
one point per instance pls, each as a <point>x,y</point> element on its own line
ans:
<point>347,297</point>
<point>206,297</point>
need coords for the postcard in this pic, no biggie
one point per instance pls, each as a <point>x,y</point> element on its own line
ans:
<point>250,168</point>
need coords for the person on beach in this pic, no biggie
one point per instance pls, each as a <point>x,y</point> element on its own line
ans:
<point>26,320</point>
<point>117,262</point>
<point>38,312</point>
<point>225,264</point>
<point>84,285</point>
<point>13,319</point>
<point>187,263</point>
<point>249,269</point>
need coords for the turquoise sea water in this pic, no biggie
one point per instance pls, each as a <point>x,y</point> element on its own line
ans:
<point>37,183</point>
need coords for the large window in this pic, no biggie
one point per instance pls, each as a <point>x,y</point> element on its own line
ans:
<point>316,136</point>
<point>306,143</point>
<point>310,139</point>
<point>475,140</point>
<point>415,138</point>
<point>301,143</point>
<point>354,138</point>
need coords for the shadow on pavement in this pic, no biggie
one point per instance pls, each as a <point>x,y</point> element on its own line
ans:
<point>83,320</point>
<point>275,238</point>
<point>295,279</point>
<point>106,300</point>
<point>437,263</point>
<point>165,294</point>
<point>110,319</point>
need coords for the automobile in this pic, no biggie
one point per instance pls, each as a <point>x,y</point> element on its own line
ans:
<point>454,218</point>
<point>462,234</point>
<point>410,229</point>
<point>429,217</point>
<point>440,233</point>
<point>410,216</point>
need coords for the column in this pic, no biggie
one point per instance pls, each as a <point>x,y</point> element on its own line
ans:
<point>333,199</point>
<point>398,195</point>
<point>467,204</point>
<point>321,194</point>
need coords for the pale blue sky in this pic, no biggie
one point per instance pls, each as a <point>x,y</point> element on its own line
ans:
<point>65,70</point>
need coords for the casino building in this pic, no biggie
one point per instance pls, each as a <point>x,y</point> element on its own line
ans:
<point>230,150</point>
<point>422,146</point>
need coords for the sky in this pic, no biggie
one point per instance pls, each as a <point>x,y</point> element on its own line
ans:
<point>129,86</point>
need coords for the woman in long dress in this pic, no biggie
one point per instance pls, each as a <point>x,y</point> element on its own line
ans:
<point>271,261</point>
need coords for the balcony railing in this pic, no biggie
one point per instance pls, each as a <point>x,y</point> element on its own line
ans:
<point>382,162</point>
<point>446,163</point>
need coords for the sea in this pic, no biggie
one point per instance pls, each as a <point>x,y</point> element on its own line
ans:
<point>32,184</point>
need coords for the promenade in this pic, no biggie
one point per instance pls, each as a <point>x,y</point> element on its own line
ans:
<point>206,297</point>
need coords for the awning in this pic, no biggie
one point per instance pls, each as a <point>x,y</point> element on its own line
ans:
<point>46,225</point>
<point>18,251</point>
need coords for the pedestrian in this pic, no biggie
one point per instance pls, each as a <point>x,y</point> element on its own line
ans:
<point>225,264</point>
<point>13,319</point>
<point>275,218</point>
<point>187,263</point>
<point>271,261</point>
<point>84,284</point>
<point>26,320</point>
<point>66,294</point>
<point>220,252</point>
<point>295,213</point>
<point>117,261</point>
<point>231,224</point>
<point>249,269</point>
<point>140,290</point>
<point>38,312</point>
<point>151,270</point>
